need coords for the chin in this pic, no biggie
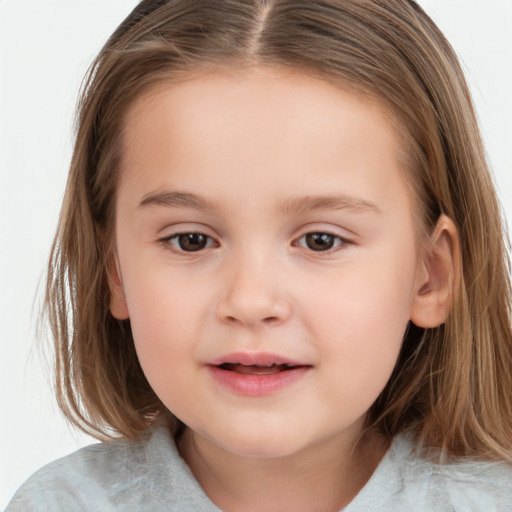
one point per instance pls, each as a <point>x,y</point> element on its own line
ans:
<point>259,441</point>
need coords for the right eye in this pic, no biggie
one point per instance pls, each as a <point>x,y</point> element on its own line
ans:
<point>189,242</point>
<point>321,241</point>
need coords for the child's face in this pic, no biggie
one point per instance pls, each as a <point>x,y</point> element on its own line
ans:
<point>301,249</point>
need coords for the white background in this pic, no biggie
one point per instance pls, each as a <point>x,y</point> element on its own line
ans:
<point>45,49</point>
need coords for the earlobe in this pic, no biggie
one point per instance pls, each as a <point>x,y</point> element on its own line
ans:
<point>437,276</point>
<point>118,306</point>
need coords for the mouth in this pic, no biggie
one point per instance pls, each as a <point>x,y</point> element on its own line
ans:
<point>256,374</point>
<point>254,369</point>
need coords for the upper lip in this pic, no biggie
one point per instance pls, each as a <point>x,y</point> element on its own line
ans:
<point>255,359</point>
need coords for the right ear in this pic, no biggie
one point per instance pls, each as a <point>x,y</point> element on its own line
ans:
<point>118,306</point>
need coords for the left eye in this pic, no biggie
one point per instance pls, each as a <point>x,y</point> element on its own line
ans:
<point>189,242</point>
<point>320,242</point>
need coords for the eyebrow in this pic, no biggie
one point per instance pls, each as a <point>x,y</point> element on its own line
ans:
<point>174,199</point>
<point>329,202</point>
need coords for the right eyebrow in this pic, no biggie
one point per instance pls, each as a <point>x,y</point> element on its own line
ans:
<point>174,199</point>
<point>329,202</point>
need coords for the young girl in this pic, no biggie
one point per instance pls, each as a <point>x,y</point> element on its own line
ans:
<point>280,278</point>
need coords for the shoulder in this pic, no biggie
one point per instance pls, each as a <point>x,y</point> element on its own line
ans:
<point>143,475</point>
<point>461,485</point>
<point>405,481</point>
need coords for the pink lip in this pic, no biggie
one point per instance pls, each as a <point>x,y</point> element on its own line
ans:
<point>256,359</point>
<point>255,385</point>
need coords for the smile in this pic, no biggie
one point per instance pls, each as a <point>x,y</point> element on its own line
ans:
<point>254,369</point>
<point>256,374</point>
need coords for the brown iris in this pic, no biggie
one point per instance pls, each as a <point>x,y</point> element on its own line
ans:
<point>320,241</point>
<point>191,242</point>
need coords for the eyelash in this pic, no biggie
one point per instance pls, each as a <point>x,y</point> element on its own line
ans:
<point>338,240</point>
<point>168,242</point>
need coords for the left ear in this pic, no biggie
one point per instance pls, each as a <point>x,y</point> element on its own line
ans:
<point>437,275</point>
<point>118,305</point>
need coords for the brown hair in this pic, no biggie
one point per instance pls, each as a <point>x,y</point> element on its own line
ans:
<point>452,385</point>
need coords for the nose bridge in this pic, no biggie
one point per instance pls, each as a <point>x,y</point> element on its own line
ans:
<point>251,289</point>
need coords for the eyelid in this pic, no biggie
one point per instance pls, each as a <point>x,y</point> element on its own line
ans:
<point>330,228</point>
<point>342,240</point>
<point>166,241</point>
<point>340,243</point>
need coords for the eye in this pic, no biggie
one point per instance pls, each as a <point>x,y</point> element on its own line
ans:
<point>320,242</point>
<point>189,242</point>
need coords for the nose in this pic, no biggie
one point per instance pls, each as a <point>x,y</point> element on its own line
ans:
<point>251,294</point>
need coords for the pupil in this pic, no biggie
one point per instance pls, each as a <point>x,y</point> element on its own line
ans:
<point>192,241</point>
<point>320,241</point>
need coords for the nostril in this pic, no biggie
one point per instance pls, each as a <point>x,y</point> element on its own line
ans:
<point>252,308</point>
<point>269,320</point>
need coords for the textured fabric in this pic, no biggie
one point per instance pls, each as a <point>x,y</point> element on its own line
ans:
<point>151,476</point>
<point>404,482</point>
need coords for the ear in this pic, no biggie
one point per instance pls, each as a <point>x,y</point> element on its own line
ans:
<point>118,306</point>
<point>438,275</point>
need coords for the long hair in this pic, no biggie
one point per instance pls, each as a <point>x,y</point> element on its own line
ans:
<point>452,385</point>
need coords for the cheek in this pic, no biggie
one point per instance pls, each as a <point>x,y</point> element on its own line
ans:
<point>359,322</point>
<point>372,297</point>
<point>165,318</point>
<point>163,303</point>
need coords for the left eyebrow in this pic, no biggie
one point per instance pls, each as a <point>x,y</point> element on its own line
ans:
<point>172,199</point>
<point>330,202</point>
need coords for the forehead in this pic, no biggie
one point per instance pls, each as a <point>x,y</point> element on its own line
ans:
<point>255,90</point>
<point>234,125</point>
<point>307,97</point>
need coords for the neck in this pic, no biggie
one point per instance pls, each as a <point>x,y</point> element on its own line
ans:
<point>322,478</point>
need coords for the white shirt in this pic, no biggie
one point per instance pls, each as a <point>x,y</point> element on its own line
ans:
<point>151,476</point>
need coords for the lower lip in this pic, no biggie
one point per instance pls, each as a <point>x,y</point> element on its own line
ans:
<point>257,385</point>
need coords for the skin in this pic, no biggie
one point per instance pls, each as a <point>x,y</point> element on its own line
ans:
<point>255,146</point>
